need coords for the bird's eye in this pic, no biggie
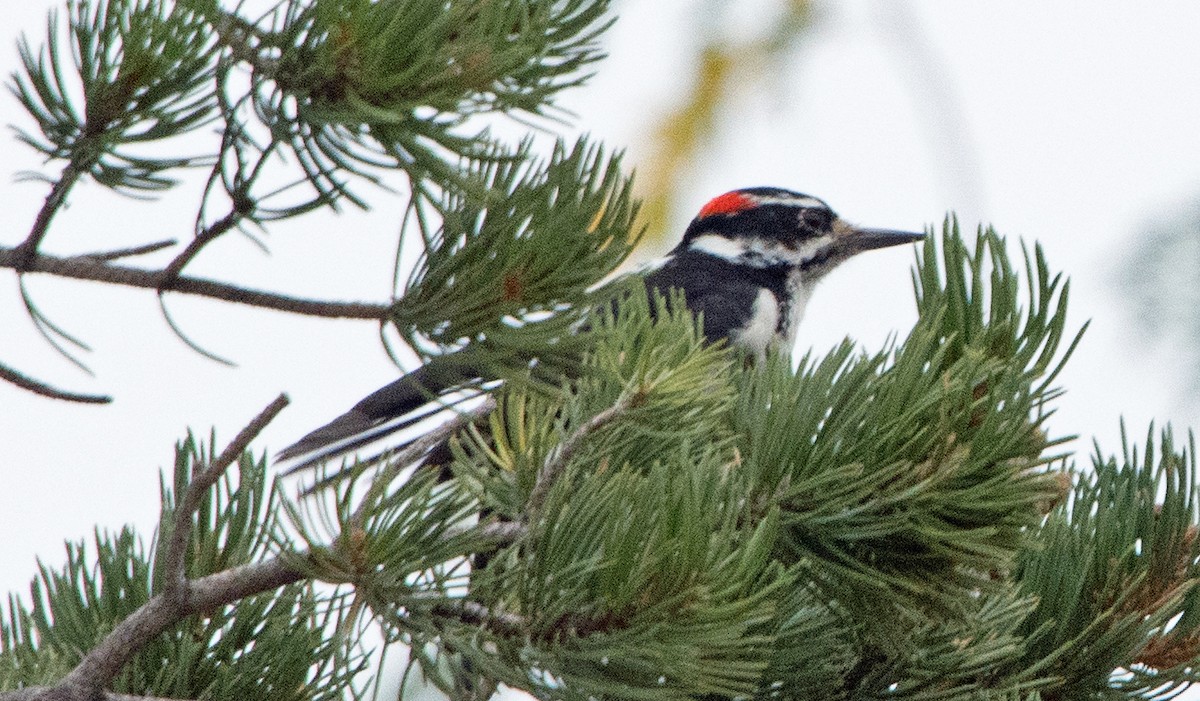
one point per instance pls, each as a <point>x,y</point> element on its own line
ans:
<point>815,217</point>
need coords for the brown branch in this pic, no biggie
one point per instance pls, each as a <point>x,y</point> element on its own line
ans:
<point>128,252</point>
<point>476,614</point>
<point>557,461</point>
<point>27,251</point>
<point>174,560</point>
<point>103,662</point>
<point>59,693</point>
<point>84,268</point>
<point>171,273</point>
<point>182,597</point>
<point>25,382</point>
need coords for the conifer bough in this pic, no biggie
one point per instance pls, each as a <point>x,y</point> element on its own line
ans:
<point>899,524</point>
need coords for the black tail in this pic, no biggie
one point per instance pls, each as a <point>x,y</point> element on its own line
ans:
<point>388,409</point>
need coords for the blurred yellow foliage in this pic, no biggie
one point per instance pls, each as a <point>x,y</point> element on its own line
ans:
<point>678,136</point>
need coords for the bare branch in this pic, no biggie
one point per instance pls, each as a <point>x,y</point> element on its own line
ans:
<point>476,614</point>
<point>25,382</point>
<point>27,251</point>
<point>181,531</point>
<point>231,585</point>
<point>85,268</point>
<point>61,693</point>
<point>128,252</point>
<point>202,239</point>
<point>557,461</point>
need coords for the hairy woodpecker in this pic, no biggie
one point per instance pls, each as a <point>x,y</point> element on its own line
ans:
<point>748,262</point>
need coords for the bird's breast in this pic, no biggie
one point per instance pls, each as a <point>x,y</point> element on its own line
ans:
<point>763,325</point>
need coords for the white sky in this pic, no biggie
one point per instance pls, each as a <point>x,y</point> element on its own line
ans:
<point>1071,124</point>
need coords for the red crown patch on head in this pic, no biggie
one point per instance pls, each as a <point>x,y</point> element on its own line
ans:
<point>728,203</point>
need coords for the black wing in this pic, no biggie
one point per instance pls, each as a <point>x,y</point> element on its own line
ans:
<point>396,406</point>
<point>712,286</point>
<point>720,291</point>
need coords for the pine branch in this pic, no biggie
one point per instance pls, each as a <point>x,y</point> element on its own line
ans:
<point>27,251</point>
<point>88,268</point>
<point>181,597</point>
<point>173,563</point>
<point>103,662</point>
<point>557,461</point>
<point>58,693</point>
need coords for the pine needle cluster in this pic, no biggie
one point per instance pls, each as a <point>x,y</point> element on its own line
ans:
<point>628,512</point>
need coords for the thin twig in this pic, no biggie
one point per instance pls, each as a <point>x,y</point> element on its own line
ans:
<point>174,559</point>
<point>81,268</point>
<point>476,614</point>
<point>171,273</point>
<point>25,382</point>
<point>557,461</point>
<point>129,252</point>
<point>27,251</point>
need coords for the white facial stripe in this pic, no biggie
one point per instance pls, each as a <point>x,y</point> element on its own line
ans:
<point>719,246</point>
<point>759,253</point>
<point>801,201</point>
<point>811,248</point>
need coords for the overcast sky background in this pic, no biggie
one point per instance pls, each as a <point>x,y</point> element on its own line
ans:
<point>1069,124</point>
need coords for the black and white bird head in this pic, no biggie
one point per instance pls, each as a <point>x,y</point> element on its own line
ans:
<point>751,257</point>
<point>765,227</point>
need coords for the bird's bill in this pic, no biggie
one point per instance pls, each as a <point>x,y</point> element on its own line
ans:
<point>856,240</point>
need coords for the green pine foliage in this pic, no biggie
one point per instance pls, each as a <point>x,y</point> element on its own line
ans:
<point>642,516</point>
<point>515,270</point>
<point>1115,575</point>
<point>274,645</point>
<point>144,67</point>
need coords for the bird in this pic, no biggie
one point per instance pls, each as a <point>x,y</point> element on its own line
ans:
<point>747,263</point>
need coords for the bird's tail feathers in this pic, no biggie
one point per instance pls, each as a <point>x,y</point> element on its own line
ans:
<point>420,394</point>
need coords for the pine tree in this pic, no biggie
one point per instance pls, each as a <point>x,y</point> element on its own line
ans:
<point>661,519</point>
